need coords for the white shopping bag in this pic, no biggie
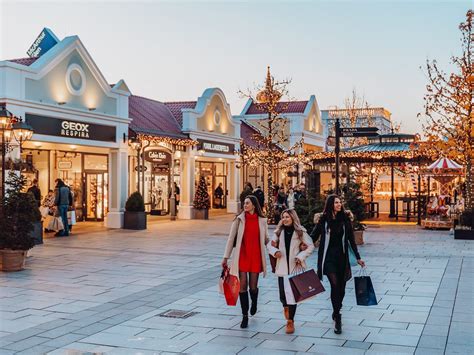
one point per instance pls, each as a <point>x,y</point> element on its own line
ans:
<point>71,217</point>
<point>44,211</point>
<point>290,298</point>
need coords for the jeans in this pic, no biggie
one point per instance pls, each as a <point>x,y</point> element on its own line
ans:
<point>63,214</point>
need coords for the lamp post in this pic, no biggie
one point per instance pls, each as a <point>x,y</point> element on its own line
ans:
<point>372,172</point>
<point>136,144</point>
<point>11,126</point>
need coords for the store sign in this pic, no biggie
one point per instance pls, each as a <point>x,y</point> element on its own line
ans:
<point>72,129</point>
<point>43,43</point>
<point>64,165</point>
<point>157,156</point>
<point>215,147</point>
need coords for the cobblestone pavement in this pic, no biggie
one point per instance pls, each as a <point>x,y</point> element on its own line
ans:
<point>104,292</point>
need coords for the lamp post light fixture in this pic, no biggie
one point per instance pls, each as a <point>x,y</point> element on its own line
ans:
<point>11,127</point>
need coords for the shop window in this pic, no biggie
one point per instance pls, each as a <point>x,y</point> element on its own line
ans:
<point>95,162</point>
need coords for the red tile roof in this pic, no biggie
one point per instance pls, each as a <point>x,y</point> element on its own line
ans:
<point>176,107</point>
<point>24,61</point>
<point>247,132</point>
<point>152,117</point>
<point>293,107</point>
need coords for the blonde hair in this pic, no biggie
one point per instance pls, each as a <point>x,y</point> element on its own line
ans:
<point>299,229</point>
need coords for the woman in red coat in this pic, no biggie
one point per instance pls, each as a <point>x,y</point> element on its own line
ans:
<point>249,235</point>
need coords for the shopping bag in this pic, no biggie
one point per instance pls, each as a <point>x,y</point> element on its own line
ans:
<point>56,224</point>
<point>364,290</point>
<point>71,217</point>
<point>220,283</point>
<point>352,257</point>
<point>305,285</point>
<point>44,211</point>
<point>231,289</point>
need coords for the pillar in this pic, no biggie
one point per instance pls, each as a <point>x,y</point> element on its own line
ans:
<point>233,185</point>
<point>118,187</point>
<point>188,165</point>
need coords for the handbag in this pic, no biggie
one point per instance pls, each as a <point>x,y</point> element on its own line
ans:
<point>305,285</point>
<point>364,290</point>
<point>71,217</point>
<point>352,257</point>
<point>231,285</point>
<point>56,224</point>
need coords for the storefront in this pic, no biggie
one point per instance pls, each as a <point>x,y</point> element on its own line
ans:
<point>80,125</point>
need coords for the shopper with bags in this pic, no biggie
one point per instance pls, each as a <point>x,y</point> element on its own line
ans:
<point>290,245</point>
<point>334,229</point>
<point>63,200</point>
<point>248,237</point>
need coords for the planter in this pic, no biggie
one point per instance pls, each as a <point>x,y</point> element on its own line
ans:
<point>37,232</point>
<point>464,234</point>
<point>134,220</point>
<point>359,237</point>
<point>201,214</point>
<point>12,260</point>
<point>158,212</point>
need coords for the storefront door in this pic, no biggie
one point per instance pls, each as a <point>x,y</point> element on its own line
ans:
<point>96,195</point>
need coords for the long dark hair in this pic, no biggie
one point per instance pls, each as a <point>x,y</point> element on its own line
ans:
<point>256,204</point>
<point>328,212</point>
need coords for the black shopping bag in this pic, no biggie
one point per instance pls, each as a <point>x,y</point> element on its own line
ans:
<point>305,285</point>
<point>364,290</point>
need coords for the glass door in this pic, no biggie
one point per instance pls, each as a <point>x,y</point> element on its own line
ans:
<point>96,195</point>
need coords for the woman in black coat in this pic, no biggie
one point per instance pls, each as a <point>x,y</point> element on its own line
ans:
<point>336,233</point>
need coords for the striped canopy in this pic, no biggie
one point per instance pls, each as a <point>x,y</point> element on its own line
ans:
<point>444,164</point>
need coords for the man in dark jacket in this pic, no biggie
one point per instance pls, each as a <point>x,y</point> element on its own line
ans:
<point>258,193</point>
<point>63,199</point>
<point>35,191</point>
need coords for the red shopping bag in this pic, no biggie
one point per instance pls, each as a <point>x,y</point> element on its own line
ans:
<point>231,287</point>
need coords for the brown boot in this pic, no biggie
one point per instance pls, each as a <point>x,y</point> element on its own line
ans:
<point>286,312</point>
<point>290,327</point>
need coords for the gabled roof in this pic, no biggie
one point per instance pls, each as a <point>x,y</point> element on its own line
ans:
<point>176,109</point>
<point>24,61</point>
<point>292,107</point>
<point>152,117</point>
<point>246,134</point>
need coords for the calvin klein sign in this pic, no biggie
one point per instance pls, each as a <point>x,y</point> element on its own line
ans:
<point>51,126</point>
<point>157,156</point>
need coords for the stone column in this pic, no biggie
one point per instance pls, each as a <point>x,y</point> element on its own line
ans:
<point>118,187</point>
<point>233,183</point>
<point>187,186</point>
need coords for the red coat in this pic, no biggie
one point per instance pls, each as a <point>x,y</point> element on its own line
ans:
<point>250,259</point>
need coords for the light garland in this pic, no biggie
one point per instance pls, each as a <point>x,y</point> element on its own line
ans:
<point>167,140</point>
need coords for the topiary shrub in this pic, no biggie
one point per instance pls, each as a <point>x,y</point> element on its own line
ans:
<point>354,202</point>
<point>201,198</point>
<point>17,215</point>
<point>135,203</point>
<point>307,207</point>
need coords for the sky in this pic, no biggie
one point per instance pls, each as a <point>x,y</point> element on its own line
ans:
<point>174,50</point>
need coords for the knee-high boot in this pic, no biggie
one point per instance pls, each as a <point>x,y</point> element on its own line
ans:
<point>254,297</point>
<point>244,304</point>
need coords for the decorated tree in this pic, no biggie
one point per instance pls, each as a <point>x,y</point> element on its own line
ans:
<point>201,197</point>
<point>449,103</point>
<point>269,149</point>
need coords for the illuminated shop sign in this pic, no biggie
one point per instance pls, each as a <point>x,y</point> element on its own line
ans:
<point>51,126</point>
<point>157,156</point>
<point>215,147</point>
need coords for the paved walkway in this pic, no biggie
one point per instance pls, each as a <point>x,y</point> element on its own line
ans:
<point>104,292</point>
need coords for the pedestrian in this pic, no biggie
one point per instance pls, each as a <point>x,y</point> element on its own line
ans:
<point>335,230</point>
<point>248,190</point>
<point>291,198</point>
<point>291,245</point>
<point>258,193</point>
<point>281,204</point>
<point>35,191</point>
<point>218,194</point>
<point>248,236</point>
<point>62,199</point>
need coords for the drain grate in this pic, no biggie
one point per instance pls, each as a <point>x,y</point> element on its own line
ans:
<point>176,313</point>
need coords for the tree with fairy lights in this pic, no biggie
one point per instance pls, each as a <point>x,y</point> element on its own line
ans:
<point>269,149</point>
<point>449,108</point>
<point>201,197</point>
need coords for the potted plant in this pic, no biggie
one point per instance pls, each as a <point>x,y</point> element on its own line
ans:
<point>134,216</point>
<point>37,232</point>
<point>354,202</point>
<point>465,229</point>
<point>201,201</point>
<point>18,213</point>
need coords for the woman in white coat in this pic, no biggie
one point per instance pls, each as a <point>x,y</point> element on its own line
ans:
<point>287,246</point>
<point>248,236</point>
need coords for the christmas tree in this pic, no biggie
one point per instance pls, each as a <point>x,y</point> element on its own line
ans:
<point>201,198</point>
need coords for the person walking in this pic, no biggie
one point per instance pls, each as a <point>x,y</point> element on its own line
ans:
<point>287,244</point>
<point>291,198</point>
<point>35,191</point>
<point>335,230</point>
<point>62,200</point>
<point>218,195</point>
<point>260,195</point>
<point>248,236</point>
<point>248,190</point>
<point>281,204</point>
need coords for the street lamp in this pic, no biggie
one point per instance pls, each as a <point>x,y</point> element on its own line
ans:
<point>372,172</point>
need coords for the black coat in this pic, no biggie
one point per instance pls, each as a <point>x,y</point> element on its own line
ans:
<point>319,232</point>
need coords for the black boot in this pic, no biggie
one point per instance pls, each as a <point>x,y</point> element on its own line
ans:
<point>337,323</point>
<point>244,303</point>
<point>254,297</point>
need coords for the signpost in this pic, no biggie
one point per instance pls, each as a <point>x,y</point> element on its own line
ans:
<point>349,133</point>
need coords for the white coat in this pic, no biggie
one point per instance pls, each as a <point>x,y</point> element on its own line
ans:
<point>281,268</point>
<point>237,231</point>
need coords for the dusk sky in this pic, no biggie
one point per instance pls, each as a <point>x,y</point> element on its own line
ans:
<point>174,50</point>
